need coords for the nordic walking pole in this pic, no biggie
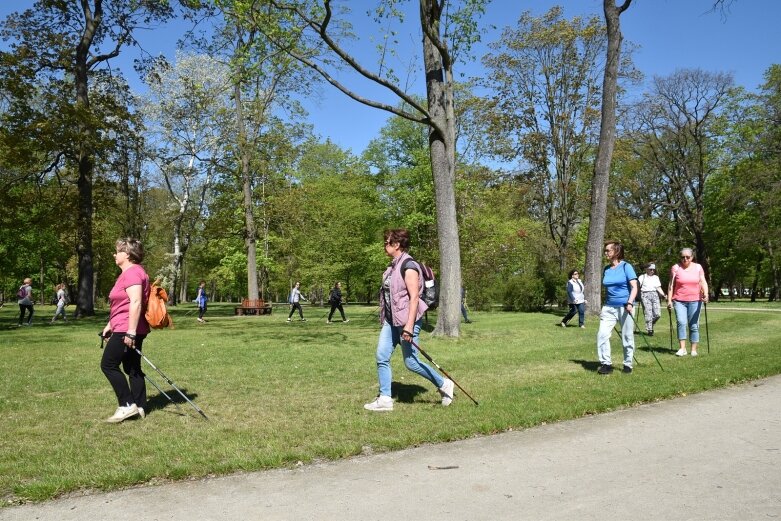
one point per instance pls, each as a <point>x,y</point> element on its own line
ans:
<point>620,336</point>
<point>670,316</point>
<point>148,361</point>
<point>647,344</point>
<point>443,371</point>
<point>707,334</point>
<point>162,392</point>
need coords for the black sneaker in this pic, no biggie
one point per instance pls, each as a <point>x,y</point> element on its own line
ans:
<point>626,369</point>
<point>651,333</point>
<point>605,369</point>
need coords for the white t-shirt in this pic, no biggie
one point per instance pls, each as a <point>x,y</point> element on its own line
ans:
<point>649,283</point>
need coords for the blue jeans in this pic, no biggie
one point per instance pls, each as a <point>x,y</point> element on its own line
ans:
<point>580,309</point>
<point>607,319</point>
<point>390,337</point>
<point>688,313</point>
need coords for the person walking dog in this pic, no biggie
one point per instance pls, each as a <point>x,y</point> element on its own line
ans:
<point>576,299</point>
<point>620,283</point>
<point>401,316</point>
<point>687,292</point>
<point>650,293</point>
<point>127,327</point>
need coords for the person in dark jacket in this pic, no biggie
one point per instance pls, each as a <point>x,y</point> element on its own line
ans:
<point>335,299</point>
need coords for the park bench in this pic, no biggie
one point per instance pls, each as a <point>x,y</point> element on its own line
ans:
<point>253,307</point>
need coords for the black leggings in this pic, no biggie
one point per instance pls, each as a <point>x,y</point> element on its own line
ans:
<point>294,306</point>
<point>115,353</point>
<point>22,309</point>
<point>201,311</point>
<point>334,307</point>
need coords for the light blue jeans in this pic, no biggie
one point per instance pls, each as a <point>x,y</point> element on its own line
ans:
<point>607,319</point>
<point>390,337</point>
<point>688,313</point>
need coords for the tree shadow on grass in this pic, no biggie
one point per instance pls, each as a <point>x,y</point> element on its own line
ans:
<point>588,365</point>
<point>405,392</point>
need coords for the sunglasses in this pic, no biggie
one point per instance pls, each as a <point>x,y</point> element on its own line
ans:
<point>686,256</point>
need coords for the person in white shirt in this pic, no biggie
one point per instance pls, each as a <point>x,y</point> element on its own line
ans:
<point>576,299</point>
<point>650,291</point>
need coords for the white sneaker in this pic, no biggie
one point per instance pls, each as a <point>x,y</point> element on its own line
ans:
<point>123,413</point>
<point>681,352</point>
<point>380,404</point>
<point>141,412</point>
<point>694,353</point>
<point>346,320</point>
<point>289,320</point>
<point>200,320</point>
<point>447,392</point>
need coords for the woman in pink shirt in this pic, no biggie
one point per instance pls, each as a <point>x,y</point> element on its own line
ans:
<point>127,327</point>
<point>688,290</point>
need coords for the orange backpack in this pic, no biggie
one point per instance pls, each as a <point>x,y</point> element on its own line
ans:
<point>156,313</point>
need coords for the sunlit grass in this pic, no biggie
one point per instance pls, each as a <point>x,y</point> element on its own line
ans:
<point>278,393</point>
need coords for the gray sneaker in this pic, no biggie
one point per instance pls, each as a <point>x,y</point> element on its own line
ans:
<point>447,392</point>
<point>380,404</point>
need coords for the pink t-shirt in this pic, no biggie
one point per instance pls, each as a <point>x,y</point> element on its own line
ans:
<point>120,302</point>
<point>686,282</point>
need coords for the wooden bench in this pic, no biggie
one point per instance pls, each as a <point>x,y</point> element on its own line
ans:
<point>253,307</point>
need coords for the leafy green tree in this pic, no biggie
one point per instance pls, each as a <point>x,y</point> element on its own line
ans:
<point>679,131</point>
<point>545,82</point>
<point>59,47</point>
<point>185,110</point>
<point>446,32</point>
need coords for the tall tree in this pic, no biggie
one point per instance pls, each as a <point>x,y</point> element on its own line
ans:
<point>63,42</point>
<point>545,76</point>
<point>607,140</point>
<point>445,32</point>
<point>680,131</point>
<point>185,109</point>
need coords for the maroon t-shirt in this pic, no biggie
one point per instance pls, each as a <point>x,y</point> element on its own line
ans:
<point>120,302</point>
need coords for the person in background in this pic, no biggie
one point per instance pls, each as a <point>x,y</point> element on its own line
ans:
<point>335,299</point>
<point>25,301</point>
<point>650,292</point>
<point>620,283</point>
<point>576,299</point>
<point>60,303</point>
<point>463,306</point>
<point>401,313</point>
<point>687,291</point>
<point>295,302</point>
<point>201,299</point>
<point>126,329</point>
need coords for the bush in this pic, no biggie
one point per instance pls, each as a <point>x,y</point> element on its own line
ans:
<point>525,292</point>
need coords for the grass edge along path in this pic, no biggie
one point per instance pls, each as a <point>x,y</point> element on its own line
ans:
<point>280,393</point>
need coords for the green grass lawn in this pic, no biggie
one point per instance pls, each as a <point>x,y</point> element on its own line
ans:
<point>278,393</point>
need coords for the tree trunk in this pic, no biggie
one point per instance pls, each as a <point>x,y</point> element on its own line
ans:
<point>250,232</point>
<point>85,304</point>
<point>607,141</point>
<point>442,150</point>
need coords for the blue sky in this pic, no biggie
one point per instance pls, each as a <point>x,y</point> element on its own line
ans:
<point>671,34</point>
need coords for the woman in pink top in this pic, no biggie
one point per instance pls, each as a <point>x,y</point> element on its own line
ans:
<point>127,327</point>
<point>688,290</point>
